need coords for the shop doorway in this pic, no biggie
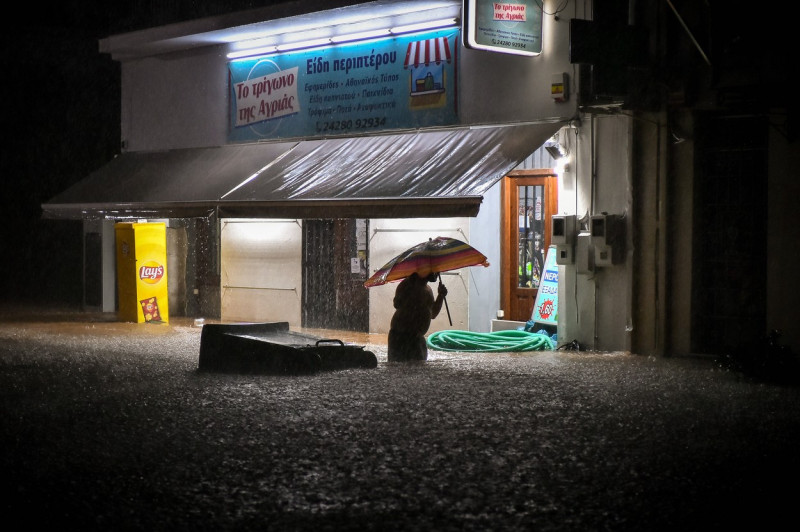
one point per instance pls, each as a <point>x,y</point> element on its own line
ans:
<point>530,198</point>
<point>334,271</point>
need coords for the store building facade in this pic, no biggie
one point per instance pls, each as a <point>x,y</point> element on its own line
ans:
<point>279,213</point>
<point>421,170</point>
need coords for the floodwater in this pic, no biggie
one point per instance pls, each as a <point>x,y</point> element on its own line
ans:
<point>109,426</point>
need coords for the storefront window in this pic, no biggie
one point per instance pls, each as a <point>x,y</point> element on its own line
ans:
<point>530,243</point>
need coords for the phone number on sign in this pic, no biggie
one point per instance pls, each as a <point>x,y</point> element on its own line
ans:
<point>346,125</point>
<point>508,44</point>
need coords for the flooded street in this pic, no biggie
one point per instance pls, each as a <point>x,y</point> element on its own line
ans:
<point>109,426</point>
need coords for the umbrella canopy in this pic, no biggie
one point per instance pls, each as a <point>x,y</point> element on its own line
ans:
<point>437,255</point>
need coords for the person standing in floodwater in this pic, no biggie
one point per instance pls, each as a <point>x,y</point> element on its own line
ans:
<point>415,307</point>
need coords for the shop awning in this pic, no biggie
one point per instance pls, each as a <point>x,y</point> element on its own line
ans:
<point>426,173</point>
<point>427,51</point>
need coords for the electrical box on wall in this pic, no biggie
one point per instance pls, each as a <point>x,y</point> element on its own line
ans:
<point>584,255</point>
<point>562,235</point>
<point>562,229</point>
<point>559,87</point>
<point>603,256</point>
<point>608,238</point>
<point>565,254</point>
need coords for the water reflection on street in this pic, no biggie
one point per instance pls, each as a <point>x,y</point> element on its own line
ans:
<point>109,425</point>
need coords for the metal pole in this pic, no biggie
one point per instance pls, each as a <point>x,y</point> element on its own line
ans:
<point>444,298</point>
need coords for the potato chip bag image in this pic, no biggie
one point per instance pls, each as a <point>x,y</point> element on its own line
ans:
<point>150,309</point>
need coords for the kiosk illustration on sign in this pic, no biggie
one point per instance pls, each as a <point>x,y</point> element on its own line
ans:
<point>545,310</point>
<point>425,59</point>
<point>142,272</point>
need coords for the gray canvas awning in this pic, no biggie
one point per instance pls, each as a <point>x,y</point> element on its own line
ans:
<point>427,173</point>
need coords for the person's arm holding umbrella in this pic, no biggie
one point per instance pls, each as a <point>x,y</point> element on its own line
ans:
<point>440,295</point>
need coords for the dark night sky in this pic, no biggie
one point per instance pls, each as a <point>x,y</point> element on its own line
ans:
<point>61,120</point>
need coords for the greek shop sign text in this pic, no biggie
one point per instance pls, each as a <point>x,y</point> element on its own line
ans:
<point>397,83</point>
<point>269,96</point>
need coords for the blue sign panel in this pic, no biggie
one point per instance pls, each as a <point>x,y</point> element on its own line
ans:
<point>395,83</point>
<point>545,310</point>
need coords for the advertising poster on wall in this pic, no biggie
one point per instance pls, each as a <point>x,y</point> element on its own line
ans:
<point>142,290</point>
<point>401,82</point>
<point>513,27</point>
<point>545,310</point>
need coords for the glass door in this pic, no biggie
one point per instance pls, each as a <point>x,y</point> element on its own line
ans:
<point>529,201</point>
<point>530,237</point>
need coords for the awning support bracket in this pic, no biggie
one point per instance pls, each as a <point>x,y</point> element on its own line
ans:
<point>458,229</point>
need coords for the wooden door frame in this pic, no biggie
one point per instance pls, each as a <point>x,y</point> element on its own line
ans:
<point>509,229</point>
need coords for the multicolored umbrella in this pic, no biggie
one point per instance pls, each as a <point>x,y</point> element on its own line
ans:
<point>437,255</point>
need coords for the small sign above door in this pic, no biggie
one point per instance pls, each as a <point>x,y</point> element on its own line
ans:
<point>511,27</point>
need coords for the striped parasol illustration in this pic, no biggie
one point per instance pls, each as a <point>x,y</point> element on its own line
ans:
<point>437,255</point>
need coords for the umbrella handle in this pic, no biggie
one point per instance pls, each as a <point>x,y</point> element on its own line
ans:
<point>444,298</point>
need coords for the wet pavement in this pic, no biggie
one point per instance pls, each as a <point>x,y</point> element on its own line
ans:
<point>109,426</point>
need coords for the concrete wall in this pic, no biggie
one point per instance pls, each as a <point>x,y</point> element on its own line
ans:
<point>678,223</point>
<point>485,288</point>
<point>107,261</point>
<point>509,88</point>
<point>175,101</point>
<point>783,236</point>
<point>649,228</point>
<point>595,302</point>
<point>177,254</point>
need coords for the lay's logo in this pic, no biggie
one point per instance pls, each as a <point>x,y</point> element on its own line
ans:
<point>151,272</point>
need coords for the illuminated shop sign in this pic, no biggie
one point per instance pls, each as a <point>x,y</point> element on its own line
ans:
<point>394,83</point>
<point>507,27</point>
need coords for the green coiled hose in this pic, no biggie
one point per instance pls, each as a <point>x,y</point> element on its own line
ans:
<point>509,340</point>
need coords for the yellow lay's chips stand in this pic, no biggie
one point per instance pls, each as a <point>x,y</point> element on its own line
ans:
<point>142,272</point>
